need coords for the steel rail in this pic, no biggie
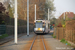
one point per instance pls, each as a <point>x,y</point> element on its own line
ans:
<point>43,43</point>
<point>33,43</point>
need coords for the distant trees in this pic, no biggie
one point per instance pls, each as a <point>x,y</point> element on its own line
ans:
<point>53,21</point>
<point>22,9</point>
<point>2,13</point>
<point>2,8</point>
<point>9,7</point>
<point>9,4</point>
<point>41,6</point>
<point>49,4</point>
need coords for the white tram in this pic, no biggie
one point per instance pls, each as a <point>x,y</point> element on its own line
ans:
<point>41,26</point>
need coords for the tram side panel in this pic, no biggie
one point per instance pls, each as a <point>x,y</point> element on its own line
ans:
<point>47,30</point>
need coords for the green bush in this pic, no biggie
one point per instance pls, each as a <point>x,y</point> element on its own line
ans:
<point>69,44</point>
<point>64,41</point>
<point>3,36</point>
<point>54,36</point>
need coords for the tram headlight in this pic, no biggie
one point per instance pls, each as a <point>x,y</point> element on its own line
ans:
<point>35,29</point>
<point>40,28</point>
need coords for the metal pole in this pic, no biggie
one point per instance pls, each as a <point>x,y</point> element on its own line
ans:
<point>35,12</point>
<point>48,13</point>
<point>15,15</point>
<point>64,15</point>
<point>27,17</point>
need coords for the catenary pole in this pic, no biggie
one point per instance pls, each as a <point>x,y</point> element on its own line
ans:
<point>27,17</point>
<point>15,23</point>
<point>64,15</point>
<point>48,13</point>
<point>35,12</point>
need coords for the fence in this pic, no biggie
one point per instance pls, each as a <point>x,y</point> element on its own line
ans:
<point>8,29</point>
<point>70,35</point>
<point>2,29</point>
<point>60,33</point>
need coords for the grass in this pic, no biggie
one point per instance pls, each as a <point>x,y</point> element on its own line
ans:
<point>54,36</point>
<point>3,36</point>
<point>64,41</point>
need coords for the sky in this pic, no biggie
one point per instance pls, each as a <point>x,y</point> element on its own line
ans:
<point>63,6</point>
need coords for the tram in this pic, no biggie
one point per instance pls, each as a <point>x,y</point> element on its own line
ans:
<point>41,26</point>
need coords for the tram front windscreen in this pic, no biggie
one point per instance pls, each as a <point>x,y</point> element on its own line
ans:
<point>39,25</point>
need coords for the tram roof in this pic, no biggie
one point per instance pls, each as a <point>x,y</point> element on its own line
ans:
<point>39,20</point>
<point>42,20</point>
<point>46,21</point>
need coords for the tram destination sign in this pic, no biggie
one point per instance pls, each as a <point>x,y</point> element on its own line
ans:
<point>38,21</point>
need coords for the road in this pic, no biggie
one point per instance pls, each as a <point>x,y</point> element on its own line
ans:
<point>42,42</point>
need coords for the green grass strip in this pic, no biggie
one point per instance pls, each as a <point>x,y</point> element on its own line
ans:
<point>3,36</point>
<point>64,41</point>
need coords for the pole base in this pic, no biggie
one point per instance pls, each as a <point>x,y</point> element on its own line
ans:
<point>27,35</point>
<point>15,43</point>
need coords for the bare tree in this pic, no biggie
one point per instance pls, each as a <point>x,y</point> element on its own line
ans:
<point>22,10</point>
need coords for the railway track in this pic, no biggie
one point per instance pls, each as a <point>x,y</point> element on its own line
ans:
<point>39,40</point>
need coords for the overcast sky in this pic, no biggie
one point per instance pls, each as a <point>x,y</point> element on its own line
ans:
<point>63,6</point>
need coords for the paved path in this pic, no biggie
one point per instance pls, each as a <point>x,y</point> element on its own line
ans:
<point>9,38</point>
<point>55,44</point>
<point>22,41</point>
<point>25,42</point>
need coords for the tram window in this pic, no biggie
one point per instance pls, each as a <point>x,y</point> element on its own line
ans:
<point>38,25</point>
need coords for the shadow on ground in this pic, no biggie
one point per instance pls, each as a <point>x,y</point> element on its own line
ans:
<point>44,33</point>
